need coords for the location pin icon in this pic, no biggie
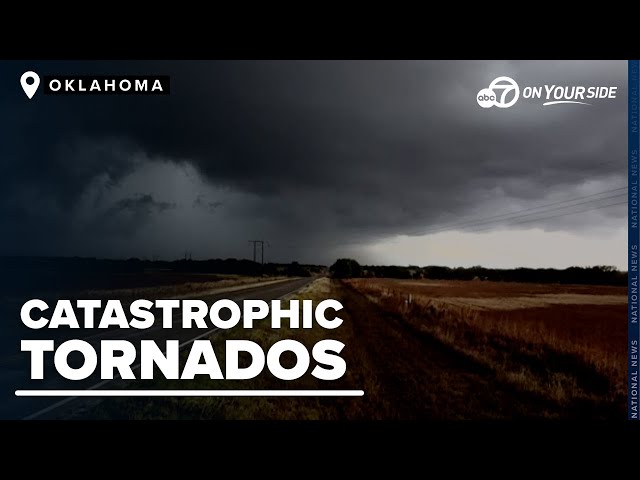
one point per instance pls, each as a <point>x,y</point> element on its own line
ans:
<point>30,88</point>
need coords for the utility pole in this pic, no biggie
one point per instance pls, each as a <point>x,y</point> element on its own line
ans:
<point>256,242</point>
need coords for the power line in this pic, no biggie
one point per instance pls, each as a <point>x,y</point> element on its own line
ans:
<point>513,216</point>
<point>537,208</point>
<point>559,215</point>
<point>542,208</point>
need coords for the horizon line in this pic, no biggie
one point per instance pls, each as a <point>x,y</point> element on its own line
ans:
<point>144,259</point>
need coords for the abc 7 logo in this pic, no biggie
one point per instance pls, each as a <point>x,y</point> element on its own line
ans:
<point>487,97</point>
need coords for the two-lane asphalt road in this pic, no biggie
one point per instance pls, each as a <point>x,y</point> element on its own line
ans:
<point>15,374</point>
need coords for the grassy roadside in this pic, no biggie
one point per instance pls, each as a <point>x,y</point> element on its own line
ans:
<point>274,408</point>
<point>218,284</point>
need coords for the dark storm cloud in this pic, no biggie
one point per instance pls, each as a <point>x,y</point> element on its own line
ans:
<point>201,202</point>
<point>142,205</point>
<point>128,214</point>
<point>325,152</point>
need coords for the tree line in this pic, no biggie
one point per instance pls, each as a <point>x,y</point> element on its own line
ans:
<point>596,275</point>
<point>27,274</point>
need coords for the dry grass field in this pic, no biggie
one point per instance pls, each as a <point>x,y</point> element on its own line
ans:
<point>565,343</point>
<point>433,350</point>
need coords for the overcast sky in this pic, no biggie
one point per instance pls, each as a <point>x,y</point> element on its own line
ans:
<point>370,159</point>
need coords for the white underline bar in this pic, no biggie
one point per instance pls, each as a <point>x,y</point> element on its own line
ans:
<point>189,393</point>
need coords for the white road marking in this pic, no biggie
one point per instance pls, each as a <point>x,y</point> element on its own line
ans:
<point>97,385</point>
<point>104,382</point>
